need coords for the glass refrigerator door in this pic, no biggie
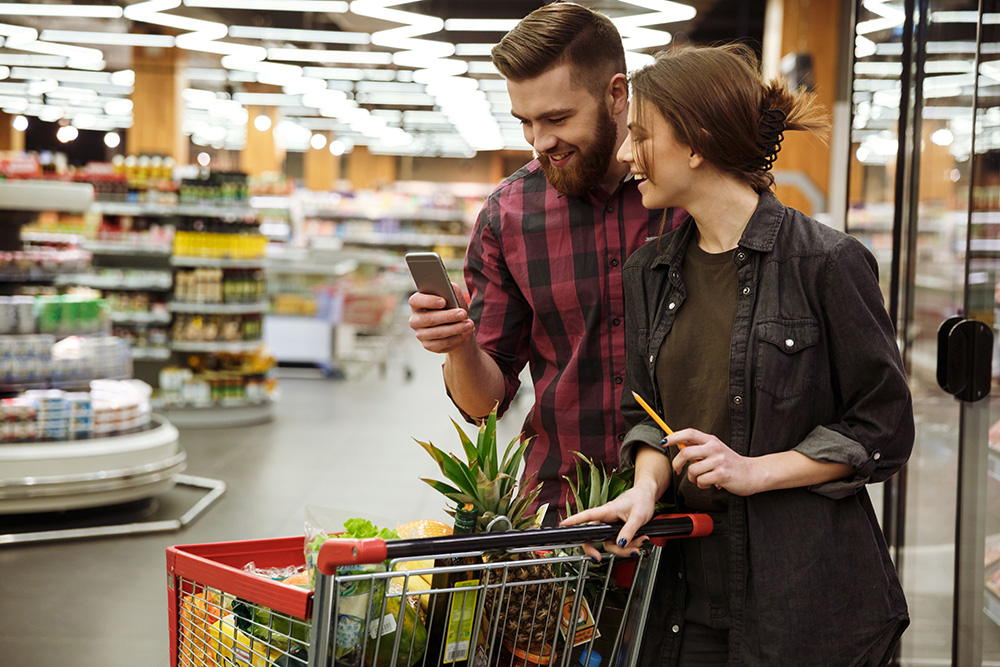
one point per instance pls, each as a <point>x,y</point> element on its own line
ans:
<point>924,191</point>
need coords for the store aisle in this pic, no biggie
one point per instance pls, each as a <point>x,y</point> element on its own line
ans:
<point>345,445</point>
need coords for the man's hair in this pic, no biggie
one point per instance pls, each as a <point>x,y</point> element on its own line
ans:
<point>562,32</point>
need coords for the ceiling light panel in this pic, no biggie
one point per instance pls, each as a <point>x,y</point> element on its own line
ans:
<point>321,56</point>
<point>331,6</point>
<point>109,38</point>
<point>67,10</point>
<point>294,35</point>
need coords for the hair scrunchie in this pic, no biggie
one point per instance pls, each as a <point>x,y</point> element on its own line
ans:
<point>772,133</point>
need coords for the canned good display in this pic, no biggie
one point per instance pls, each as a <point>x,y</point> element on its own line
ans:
<point>38,358</point>
<point>111,407</point>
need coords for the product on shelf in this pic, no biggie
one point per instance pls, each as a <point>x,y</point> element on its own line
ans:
<point>111,407</point>
<point>53,314</point>
<point>38,359</point>
<point>221,328</point>
<point>220,243</point>
<point>219,286</point>
<point>219,379</point>
<point>41,264</point>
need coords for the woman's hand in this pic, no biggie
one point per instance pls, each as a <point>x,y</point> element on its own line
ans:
<point>711,462</point>
<point>634,507</point>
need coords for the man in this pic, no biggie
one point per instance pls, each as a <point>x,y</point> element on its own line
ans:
<point>544,263</point>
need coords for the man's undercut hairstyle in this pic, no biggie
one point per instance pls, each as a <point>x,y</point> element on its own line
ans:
<point>563,32</point>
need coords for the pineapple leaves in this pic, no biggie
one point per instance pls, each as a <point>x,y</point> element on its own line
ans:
<point>594,486</point>
<point>470,450</point>
<point>486,480</point>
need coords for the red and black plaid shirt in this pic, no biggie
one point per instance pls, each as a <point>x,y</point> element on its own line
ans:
<point>544,273</point>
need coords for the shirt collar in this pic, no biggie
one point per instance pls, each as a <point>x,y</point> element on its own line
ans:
<point>759,234</point>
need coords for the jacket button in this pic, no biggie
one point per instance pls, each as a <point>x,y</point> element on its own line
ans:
<point>675,629</point>
<point>789,342</point>
<point>737,400</point>
<point>651,357</point>
<point>671,305</point>
<point>876,456</point>
<point>746,290</point>
<point>741,256</point>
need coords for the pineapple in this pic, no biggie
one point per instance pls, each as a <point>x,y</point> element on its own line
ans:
<point>527,614</point>
<point>597,487</point>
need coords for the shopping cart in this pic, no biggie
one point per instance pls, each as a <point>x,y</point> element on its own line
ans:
<point>520,598</point>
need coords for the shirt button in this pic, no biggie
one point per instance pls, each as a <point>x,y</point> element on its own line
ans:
<point>610,208</point>
<point>671,306</point>
<point>675,629</point>
<point>621,437</point>
<point>737,400</point>
<point>618,380</point>
<point>746,290</point>
<point>616,321</point>
<point>789,342</point>
<point>614,262</point>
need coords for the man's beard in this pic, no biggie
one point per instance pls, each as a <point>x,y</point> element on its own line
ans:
<point>593,163</point>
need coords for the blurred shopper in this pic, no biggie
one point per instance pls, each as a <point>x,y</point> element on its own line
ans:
<point>762,336</point>
<point>544,264</point>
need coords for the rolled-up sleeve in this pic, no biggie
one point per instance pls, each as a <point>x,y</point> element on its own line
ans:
<point>874,435</point>
<point>496,304</point>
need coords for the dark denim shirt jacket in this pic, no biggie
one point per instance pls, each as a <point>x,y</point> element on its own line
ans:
<point>814,368</point>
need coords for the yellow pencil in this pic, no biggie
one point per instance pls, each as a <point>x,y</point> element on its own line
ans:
<point>656,417</point>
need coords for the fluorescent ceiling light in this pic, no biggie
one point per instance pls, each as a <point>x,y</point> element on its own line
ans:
<point>348,73</point>
<point>111,38</point>
<point>206,74</point>
<point>483,68</point>
<point>473,50</point>
<point>389,99</point>
<point>480,25</point>
<point>964,17</point>
<point>20,60</point>
<point>73,76</point>
<point>389,86</point>
<point>331,6</point>
<point>79,11</point>
<point>321,56</point>
<point>266,99</point>
<point>295,35</point>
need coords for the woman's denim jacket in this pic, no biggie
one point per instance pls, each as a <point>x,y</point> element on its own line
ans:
<point>814,367</point>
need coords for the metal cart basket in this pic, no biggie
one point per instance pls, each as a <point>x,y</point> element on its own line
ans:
<point>520,598</point>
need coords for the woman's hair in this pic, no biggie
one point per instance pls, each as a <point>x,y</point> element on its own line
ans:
<point>562,32</point>
<point>716,103</point>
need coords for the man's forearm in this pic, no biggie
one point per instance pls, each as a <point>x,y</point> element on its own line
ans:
<point>473,379</point>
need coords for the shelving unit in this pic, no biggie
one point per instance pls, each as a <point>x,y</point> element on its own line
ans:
<point>46,476</point>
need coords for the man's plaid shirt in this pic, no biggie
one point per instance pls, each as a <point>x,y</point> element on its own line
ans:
<point>544,273</point>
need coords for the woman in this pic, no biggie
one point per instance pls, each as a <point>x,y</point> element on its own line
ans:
<point>762,337</point>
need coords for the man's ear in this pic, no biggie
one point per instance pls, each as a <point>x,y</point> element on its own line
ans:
<point>617,95</point>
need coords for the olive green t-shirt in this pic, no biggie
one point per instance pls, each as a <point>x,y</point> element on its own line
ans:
<point>692,368</point>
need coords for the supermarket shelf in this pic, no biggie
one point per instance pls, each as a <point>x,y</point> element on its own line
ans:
<point>53,237</point>
<point>217,308</point>
<point>72,474</point>
<point>140,318</point>
<point>82,384</point>
<point>111,283</point>
<point>187,210</point>
<point>28,195</point>
<point>150,354</point>
<point>216,346</point>
<point>214,262</point>
<point>406,240</point>
<point>219,415</point>
<point>430,215</point>
<point>125,249</point>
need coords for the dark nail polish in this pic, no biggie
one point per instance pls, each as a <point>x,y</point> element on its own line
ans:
<point>594,559</point>
<point>622,542</point>
<point>663,442</point>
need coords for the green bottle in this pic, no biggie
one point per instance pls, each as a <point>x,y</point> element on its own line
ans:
<point>450,641</point>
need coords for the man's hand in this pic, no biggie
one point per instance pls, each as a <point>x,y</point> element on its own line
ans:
<point>437,329</point>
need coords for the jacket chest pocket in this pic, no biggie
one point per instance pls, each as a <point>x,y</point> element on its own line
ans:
<point>789,359</point>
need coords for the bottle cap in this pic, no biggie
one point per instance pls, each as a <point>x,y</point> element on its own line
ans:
<point>595,659</point>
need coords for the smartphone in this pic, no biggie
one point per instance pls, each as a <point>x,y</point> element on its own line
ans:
<point>430,276</point>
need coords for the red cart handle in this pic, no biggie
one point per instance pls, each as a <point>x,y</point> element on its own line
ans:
<point>336,552</point>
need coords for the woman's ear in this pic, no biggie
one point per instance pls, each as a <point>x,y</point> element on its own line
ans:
<point>695,160</point>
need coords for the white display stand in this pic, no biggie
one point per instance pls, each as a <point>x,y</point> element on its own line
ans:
<point>72,474</point>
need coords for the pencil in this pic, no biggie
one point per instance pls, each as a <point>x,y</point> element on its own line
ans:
<point>656,417</point>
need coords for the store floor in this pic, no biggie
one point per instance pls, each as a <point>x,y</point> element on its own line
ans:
<point>345,445</point>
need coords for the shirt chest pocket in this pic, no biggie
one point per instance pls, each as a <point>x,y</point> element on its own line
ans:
<point>789,358</point>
